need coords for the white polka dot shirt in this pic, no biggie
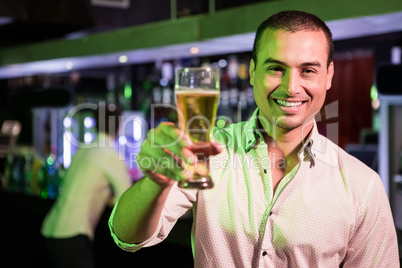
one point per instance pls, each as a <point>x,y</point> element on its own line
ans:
<point>330,210</point>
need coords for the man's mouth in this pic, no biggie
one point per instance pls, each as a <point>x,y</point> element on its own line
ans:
<point>284,103</point>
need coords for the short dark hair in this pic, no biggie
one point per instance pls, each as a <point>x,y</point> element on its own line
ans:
<point>293,21</point>
<point>107,116</point>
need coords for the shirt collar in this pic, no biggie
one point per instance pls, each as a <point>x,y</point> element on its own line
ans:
<point>253,135</point>
<point>252,132</point>
<point>307,148</point>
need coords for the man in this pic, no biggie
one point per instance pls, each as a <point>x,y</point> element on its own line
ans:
<point>95,178</point>
<point>284,195</point>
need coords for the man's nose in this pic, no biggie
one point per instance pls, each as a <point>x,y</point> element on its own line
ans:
<point>291,82</point>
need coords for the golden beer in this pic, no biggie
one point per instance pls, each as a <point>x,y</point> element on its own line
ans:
<point>197,97</point>
<point>196,112</point>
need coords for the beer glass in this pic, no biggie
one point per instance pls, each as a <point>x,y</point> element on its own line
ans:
<point>197,96</point>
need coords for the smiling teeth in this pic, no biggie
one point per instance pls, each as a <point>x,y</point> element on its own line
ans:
<point>289,103</point>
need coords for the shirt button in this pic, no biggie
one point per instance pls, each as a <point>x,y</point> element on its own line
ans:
<point>264,253</point>
<point>265,171</point>
<point>270,213</point>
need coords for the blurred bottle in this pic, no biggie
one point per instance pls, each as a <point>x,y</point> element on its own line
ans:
<point>43,181</point>
<point>20,171</point>
<point>52,176</point>
<point>15,173</point>
<point>36,165</point>
<point>28,173</point>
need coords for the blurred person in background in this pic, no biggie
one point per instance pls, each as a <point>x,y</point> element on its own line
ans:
<point>284,195</point>
<point>95,179</point>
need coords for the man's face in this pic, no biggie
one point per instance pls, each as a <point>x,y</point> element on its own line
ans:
<point>291,77</point>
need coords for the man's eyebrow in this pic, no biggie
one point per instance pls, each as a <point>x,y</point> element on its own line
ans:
<point>304,64</point>
<point>308,64</point>
<point>271,60</point>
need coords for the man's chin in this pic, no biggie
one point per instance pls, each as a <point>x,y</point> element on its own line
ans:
<point>290,125</point>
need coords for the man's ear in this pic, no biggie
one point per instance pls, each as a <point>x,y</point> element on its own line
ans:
<point>251,71</point>
<point>330,75</point>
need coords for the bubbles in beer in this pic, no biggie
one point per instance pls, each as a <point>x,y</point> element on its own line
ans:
<point>197,111</point>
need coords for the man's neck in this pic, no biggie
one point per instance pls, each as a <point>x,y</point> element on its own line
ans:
<point>283,148</point>
<point>287,141</point>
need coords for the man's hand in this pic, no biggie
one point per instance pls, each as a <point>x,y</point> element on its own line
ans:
<point>168,155</point>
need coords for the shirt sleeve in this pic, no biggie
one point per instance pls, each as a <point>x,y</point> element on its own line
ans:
<point>177,204</point>
<point>374,243</point>
<point>127,246</point>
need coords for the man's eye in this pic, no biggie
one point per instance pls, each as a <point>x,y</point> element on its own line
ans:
<point>309,71</point>
<point>275,69</point>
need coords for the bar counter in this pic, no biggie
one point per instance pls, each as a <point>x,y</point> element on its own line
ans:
<point>22,245</point>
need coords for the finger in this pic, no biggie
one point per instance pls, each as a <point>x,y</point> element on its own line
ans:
<point>163,156</point>
<point>185,157</point>
<point>147,166</point>
<point>205,149</point>
<point>168,123</point>
<point>199,168</point>
<point>163,161</point>
<point>177,140</point>
<point>188,156</point>
<point>159,139</point>
<point>167,136</point>
<point>175,134</point>
<point>159,178</point>
<point>159,161</point>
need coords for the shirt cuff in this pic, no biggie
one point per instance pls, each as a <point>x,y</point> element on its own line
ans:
<point>130,247</point>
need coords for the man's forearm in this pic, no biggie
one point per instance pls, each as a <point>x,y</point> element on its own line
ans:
<point>138,211</point>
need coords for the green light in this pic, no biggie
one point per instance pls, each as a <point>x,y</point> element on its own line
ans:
<point>374,93</point>
<point>50,161</point>
<point>44,195</point>
<point>128,91</point>
<point>221,123</point>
